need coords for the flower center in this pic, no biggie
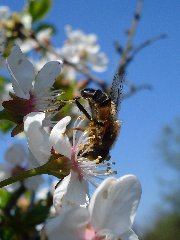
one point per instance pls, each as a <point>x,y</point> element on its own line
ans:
<point>90,234</point>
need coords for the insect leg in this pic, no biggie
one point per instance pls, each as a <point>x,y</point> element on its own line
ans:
<point>82,109</point>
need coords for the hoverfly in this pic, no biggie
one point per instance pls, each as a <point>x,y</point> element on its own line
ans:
<point>103,124</point>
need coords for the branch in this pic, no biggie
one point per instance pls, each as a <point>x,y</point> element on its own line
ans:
<point>131,32</point>
<point>84,70</point>
<point>134,89</point>
<point>146,44</point>
<point>55,167</point>
<point>22,176</point>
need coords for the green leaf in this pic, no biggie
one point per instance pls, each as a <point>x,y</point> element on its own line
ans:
<point>7,234</point>
<point>2,83</point>
<point>38,8</point>
<point>4,198</point>
<point>5,126</point>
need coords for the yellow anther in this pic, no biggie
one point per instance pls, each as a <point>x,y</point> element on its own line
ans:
<point>97,160</point>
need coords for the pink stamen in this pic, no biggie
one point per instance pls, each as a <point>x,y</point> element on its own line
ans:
<point>75,165</point>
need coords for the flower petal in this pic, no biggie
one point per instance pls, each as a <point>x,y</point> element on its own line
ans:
<point>71,192</point>
<point>33,183</point>
<point>59,140</point>
<point>37,137</point>
<point>68,226</point>
<point>5,172</point>
<point>98,62</point>
<point>15,154</point>
<point>46,77</point>
<point>129,235</point>
<point>22,72</point>
<point>114,203</point>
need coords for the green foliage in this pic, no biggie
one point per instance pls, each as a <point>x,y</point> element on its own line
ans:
<point>169,145</point>
<point>5,126</point>
<point>2,82</point>
<point>4,198</point>
<point>7,234</point>
<point>20,213</point>
<point>166,228</point>
<point>38,8</point>
<point>37,214</point>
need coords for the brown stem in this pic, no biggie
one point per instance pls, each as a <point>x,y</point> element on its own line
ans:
<point>84,70</point>
<point>146,44</point>
<point>131,33</point>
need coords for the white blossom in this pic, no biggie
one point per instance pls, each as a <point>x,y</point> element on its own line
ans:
<point>2,47</point>
<point>31,91</point>
<point>109,216</point>
<point>43,38</point>
<point>4,95</point>
<point>82,49</point>
<point>17,161</point>
<point>4,13</point>
<point>73,189</point>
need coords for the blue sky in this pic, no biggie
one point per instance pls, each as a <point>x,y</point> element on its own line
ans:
<point>144,114</point>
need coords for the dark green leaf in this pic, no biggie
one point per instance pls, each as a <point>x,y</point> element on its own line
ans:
<point>38,8</point>
<point>7,234</point>
<point>2,82</point>
<point>4,198</point>
<point>37,214</point>
<point>5,126</point>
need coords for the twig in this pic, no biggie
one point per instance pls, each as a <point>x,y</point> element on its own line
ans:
<point>135,89</point>
<point>146,44</point>
<point>22,176</point>
<point>84,70</point>
<point>131,32</point>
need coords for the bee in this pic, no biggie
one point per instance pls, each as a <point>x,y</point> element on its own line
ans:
<point>103,123</point>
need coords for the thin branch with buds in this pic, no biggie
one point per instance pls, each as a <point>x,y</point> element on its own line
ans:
<point>127,55</point>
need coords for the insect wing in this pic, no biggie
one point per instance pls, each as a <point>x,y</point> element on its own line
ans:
<point>116,90</point>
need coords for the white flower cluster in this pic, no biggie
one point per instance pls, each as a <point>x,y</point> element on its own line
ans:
<point>82,49</point>
<point>8,18</point>
<point>110,212</point>
<point>79,50</point>
<point>17,161</point>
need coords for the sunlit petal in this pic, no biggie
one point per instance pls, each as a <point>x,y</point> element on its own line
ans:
<point>59,140</point>
<point>114,203</point>
<point>68,226</point>
<point>71,192</point>
<point>37,137</point>
<point>46,77</point>
<point>22,72</point>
